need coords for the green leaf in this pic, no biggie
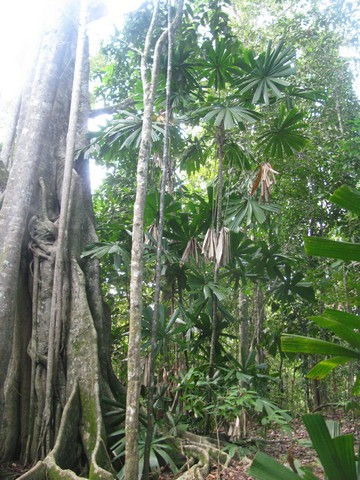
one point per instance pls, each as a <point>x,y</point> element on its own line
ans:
<point>265,467</point>
<point>323,368</point>
<point>356,388</point>
<point>264,72</point>
<point>285,136</point>
<point>348,319</point>
<point>298,344</point>
<point>168,460</point>
<point>323,247</point>
<point>347,198</point>
<point>328,449</point>
<point>339,328</point>
<point>344,445</point>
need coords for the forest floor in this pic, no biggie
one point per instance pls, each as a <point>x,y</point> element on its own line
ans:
<point>285,446</point>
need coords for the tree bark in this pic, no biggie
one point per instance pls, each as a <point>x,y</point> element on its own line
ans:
<point>259,322</point>
<point>220,134</point>
<point>149,80</point>
<point>244,326</point>
<point>164,176</point>
<point>29,243</point>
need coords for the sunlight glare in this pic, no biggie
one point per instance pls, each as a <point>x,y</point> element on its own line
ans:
<point>21,24</point>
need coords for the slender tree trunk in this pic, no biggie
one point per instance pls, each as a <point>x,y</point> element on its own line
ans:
<point>149,81</point>
<point>165,165</point>
<point>259,322</point>
<point>244,326</point>
<point>214,317</point>
<point>220,182</point>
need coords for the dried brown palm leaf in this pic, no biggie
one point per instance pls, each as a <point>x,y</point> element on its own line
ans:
<point>192,250</point>
<point>267,176</point>
<point>152,235</point>
<point>223,247</point>
<point>209,245</point>
<point>256,181</point>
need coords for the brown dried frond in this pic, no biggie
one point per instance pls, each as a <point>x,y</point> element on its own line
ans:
<point>267,176</point>
<point>153,235</point>
<point>192,250</point>
<point>256,181</point>
<point>209,245</point>
<point>223,247</point>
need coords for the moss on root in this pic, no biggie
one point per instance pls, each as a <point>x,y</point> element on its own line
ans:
<point>200,452</point>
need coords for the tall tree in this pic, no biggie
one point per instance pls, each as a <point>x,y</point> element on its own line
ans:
<point>149,78</point>
<point>54,347</point>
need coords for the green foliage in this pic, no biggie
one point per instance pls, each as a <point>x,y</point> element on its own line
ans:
<point>337,456</point>
<point>217,66</point>
<point>286,135</point>
<point>337,322</point>
<point>160,451</point>
<point>248,209</point>
<point>266,72</point>
<point>229,395</point>
<point>228,116</point>
<point>290,284</point>
<point>100,249</point>
<point>261,111</point>
<point>344,325</point>
<point>348,198</point>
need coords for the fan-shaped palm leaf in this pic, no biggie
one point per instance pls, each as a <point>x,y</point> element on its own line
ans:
<point>217,65</point>
<point>264,73</point>
<point>236,156</point>
<point>229,116</point>
<point>127,131</point>
<point>194,156</point>
<point>245,210</point>
<point>286,135</point>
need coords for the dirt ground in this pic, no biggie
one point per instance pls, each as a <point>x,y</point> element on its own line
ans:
<point>284,447</point>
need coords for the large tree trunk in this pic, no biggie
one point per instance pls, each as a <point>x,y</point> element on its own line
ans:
<point>71,442</point>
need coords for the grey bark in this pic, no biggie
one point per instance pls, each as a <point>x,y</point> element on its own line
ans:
<point>149,77</point>
<point>136,268</point>
<point>259,322</point>
<point>244,326</point>
<point>219,199</point>
<point>26,166</point>
<point>164,173</point>
<point>29,242</point>
<point>8,141</point>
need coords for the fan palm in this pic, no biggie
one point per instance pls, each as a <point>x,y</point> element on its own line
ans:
<point>126,131</point>
<point>266,73</point>
<point>216,68</point>
<point>285,136</point>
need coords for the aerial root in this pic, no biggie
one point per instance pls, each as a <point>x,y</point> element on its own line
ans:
<point>201,452</point>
